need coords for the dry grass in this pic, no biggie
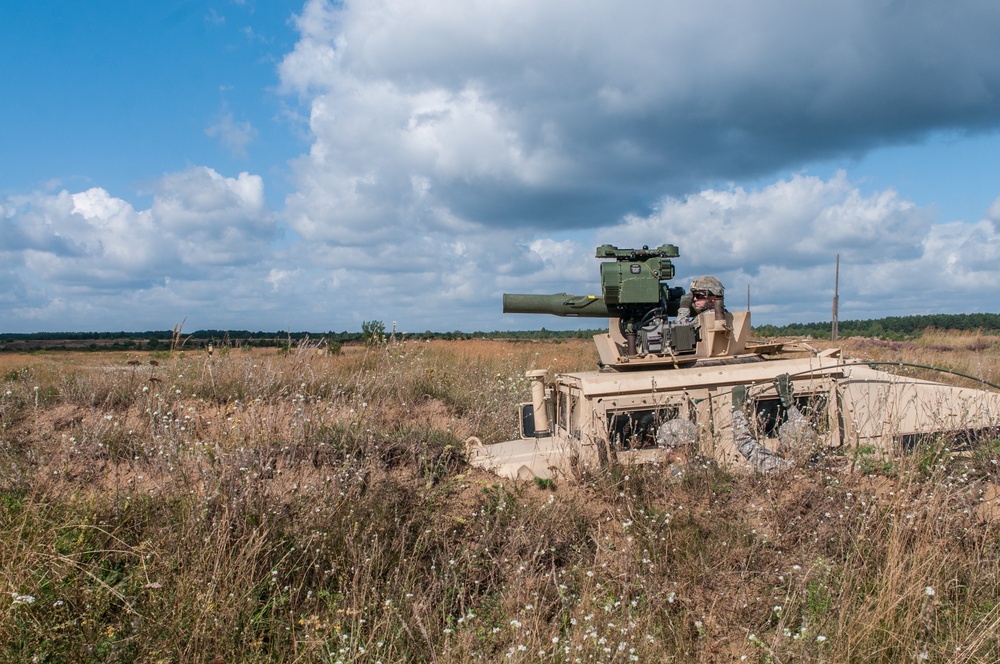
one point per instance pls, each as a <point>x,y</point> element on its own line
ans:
<point>970,353</point>
<point>314,507</point>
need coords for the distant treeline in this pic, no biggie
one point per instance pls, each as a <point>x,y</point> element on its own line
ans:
<point>156,340</point>
<point>893,327</point>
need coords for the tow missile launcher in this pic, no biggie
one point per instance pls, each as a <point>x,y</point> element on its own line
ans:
<point>672,390</point>
<point>639,303</point>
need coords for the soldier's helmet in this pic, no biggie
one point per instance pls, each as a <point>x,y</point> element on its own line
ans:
<point>709,284</point>
<point>677,432</point>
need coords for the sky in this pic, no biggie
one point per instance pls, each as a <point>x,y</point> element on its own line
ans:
<point>311,165</point>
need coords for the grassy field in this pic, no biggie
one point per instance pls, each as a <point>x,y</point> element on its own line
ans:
<point>259,506</point>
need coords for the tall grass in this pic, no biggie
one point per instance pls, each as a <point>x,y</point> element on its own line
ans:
<point>314,507</point>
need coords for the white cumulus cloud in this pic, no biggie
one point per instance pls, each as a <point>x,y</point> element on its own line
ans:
<point>465,148</point>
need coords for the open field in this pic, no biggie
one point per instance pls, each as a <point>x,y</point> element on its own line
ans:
<point>304,506</point>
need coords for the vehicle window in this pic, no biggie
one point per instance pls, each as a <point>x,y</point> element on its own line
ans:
<point>527,411</point>
<point>768,415</point>
<point>636,429</point>
<point>562,407</point>
<point>574,415</point>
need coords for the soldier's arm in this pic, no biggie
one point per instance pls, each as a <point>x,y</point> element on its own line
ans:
<point>684,308</point>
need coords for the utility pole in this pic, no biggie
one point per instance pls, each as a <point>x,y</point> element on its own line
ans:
<point>834,332</point>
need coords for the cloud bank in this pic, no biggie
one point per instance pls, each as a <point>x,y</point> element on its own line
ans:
<point>564,116</point>
<point>89,256</point>
<point>459,150</point>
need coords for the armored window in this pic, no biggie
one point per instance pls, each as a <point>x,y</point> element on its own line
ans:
<point>768,415</point>
<point>526,415</point>
<point>566,409</point>
<point>574,415</point>
<point>636,429</point>
<point>959,439</point>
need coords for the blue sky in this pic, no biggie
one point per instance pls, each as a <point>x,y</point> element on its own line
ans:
<point>311,165</point>
<point>114,94</point>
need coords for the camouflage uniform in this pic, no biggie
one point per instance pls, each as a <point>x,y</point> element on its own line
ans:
<point>677,432</point>
<point>679,437</point>
<point>796,433</point>
<point>762,459</point>
<point>686,311</point>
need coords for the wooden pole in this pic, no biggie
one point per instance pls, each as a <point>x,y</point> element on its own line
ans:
<point>834,331</point>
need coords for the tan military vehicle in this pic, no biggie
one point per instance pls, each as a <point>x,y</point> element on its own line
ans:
<point>677,383</point>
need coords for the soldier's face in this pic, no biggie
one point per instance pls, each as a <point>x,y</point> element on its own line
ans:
<point>703,300</point>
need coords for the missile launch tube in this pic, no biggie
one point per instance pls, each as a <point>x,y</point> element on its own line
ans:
<point>560,304</point>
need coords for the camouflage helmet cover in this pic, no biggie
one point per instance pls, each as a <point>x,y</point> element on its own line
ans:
<point>708,283</point>
<point>677,432</point>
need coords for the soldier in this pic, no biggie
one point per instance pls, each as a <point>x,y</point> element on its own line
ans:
<point>679,437</point>
<point>796,433</point>
<point>762,459</point>
<point>705,291</point>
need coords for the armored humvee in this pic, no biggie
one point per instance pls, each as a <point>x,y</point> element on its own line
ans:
<point>731,398</point>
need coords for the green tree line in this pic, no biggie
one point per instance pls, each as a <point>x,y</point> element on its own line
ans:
<point>156,340</point>
<point>892,327</point>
